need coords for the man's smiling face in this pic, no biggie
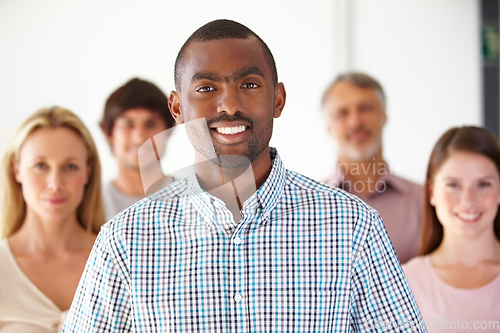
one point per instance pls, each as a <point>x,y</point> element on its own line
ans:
<point>229,83</point>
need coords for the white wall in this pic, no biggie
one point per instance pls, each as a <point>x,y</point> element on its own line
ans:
<point>425,53</point>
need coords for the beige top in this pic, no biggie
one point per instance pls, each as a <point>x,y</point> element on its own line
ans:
<point>23,307</point>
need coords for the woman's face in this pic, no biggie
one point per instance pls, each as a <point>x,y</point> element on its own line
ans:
<point>53,171</point>
<point>466,194</point>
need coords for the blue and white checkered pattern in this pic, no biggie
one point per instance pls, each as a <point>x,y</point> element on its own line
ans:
<point>304,258</point>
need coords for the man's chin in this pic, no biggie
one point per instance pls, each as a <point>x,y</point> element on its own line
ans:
<point>136,165</point>
<point>360,155</point>
<point>231,161</point>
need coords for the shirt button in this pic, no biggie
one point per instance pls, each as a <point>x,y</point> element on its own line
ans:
<point>237,297</point>
<point>237,240</point>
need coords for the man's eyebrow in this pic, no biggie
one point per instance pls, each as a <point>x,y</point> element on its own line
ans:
<point>206,76</point>
<point>239,74</point>
<point>254,70</point>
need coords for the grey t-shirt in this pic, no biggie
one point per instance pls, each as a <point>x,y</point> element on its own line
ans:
<point>116,201</point>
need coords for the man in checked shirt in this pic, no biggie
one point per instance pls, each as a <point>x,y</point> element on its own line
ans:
<point>242,244</point>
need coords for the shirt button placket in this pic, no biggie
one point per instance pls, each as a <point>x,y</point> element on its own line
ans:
<point>237,296</point>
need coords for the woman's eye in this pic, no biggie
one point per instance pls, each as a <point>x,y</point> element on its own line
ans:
<point>71,167</point>
<point>452,185</point>
<point>40,166</point>
<point>484,184</point>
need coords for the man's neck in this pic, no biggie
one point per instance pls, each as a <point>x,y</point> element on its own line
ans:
<point>129,182</point>
<point>236,184</point>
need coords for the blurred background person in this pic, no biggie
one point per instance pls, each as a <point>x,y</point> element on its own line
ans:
<point>456,280</point>
<point>51,212</point>
<point>354,105</point>
<point>134,113</point>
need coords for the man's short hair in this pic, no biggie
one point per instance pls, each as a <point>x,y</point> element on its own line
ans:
<point>360,80</point>
<point>134,94</point>
<point>222,29</point>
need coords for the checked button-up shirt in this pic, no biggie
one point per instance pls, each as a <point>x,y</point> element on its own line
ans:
<point>305,257</point>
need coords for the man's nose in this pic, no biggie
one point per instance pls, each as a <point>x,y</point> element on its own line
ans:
<point>140,134</point>
<point>354,119</point>
<point>229,101</point>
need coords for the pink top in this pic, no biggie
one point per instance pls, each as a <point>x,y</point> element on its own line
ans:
<point>446,308</point>
<point>399,203</point>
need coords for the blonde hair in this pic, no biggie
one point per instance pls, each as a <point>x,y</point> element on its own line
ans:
<point>90,212</point>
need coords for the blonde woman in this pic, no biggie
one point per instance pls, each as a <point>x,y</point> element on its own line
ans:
<point>51,212</point>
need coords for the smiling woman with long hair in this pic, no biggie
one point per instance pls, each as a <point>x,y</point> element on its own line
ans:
<point>456,280</point>
<point>50,214</point>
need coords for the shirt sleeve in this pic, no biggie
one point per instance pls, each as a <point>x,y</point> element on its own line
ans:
<point>102,299</point>
<point>381,300</point>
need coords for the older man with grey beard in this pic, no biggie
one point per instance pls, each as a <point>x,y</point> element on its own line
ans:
<point>354,105</point>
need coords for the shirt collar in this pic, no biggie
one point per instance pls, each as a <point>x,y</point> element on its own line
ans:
<point>388,178</point>
<point>202,201</point>
<point>394,182</point>
<point>266,197</point>
<point>271,191</point>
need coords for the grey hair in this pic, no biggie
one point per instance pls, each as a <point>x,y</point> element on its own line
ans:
<point>360,80</point>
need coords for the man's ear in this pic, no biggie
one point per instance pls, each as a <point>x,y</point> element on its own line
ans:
<point>329,129</point>
<point>384,118</point>
<point>279,99</point>
<point>174,104</point>
<point>109,137</point>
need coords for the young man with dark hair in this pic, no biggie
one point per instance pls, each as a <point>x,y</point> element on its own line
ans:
<point>243,244</point>
<point>133,113</point>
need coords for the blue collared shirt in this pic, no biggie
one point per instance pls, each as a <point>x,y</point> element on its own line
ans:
<point>305,257</point>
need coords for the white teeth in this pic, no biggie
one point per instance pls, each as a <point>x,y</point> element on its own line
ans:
<point>230,130</point>
<point>469,216</point>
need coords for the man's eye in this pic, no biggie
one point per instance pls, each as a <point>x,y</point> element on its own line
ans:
<point>125,124</point>
<point>152,124</point>
<point>205,89</point>
<point>366,108</point>
<point>251,85</point>
<point>341,114</point>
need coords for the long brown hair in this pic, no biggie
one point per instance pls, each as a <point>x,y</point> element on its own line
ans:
<point>90,212</point>
<point>470,139</point>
